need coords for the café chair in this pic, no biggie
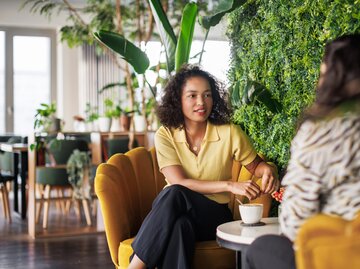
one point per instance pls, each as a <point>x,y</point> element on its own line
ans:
<point>127,185</point>
<point>328,242</point>
<point>118,145</point>
<point>7,159</point>
<point>54,176</point>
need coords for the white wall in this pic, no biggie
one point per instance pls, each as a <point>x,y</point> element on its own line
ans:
<point>67,59</point>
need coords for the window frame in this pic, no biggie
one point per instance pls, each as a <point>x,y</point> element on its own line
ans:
<point>10,32</point>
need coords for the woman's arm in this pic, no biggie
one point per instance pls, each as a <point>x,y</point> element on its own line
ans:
<point>175,174</point>
<point>260,168</point>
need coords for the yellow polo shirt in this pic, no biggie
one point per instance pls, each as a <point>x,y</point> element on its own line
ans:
<point>221,145</point>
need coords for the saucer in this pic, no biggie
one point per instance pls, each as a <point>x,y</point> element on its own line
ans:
<point>252,224</point>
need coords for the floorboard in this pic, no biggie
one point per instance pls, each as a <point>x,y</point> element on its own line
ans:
<point>19,251</point>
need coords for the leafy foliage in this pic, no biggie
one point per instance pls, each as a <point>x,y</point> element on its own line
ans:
<point>43,116</point>
<point>279,44</point>
<point>126,49</point>
<point>78,169</point>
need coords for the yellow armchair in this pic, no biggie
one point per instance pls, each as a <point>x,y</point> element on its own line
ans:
<point>328,242</point>
<point>127,185</point>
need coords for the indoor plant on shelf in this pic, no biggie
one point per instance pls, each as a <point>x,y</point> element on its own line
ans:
<point>91,118</point>
<point>46,120</point>
<point>105,120</point>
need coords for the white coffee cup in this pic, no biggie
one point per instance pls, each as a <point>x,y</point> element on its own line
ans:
<point>251,213</point>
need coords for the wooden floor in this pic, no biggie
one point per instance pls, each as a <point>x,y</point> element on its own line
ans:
<point>18,251</point>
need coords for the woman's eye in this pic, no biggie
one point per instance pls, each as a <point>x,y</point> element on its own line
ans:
<point>207,95</point>
<point>192,96</point>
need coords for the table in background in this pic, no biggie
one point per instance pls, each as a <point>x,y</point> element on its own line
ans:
<point>233,235</point>
<point>19,151</point>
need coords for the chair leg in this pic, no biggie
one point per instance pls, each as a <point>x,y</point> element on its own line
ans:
<point>60,193</point>
<point>94,207</point>
<point>77,207</point>
<point>85,203</point>
<point>39,204</point>
<point>46,205</point>
<point>6,204</point>
<point>3,200</point>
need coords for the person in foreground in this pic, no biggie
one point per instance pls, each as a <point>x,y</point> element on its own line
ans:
<point>323,175</point>
<point>195,148</point>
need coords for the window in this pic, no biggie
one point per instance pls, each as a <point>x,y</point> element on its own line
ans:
<point>27,76</point>
<point>2,82</point>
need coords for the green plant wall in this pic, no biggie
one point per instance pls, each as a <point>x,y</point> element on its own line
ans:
<point>279,43</point>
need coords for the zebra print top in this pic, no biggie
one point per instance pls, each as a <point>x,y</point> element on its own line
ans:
<point>324,171</point>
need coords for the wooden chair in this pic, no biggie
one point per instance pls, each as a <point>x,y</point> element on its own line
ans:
<point>328,242</point>
<point>127,185</point>
<point>55,177</point>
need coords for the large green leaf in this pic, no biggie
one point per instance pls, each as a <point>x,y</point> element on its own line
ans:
<point>112,85</point>
<point>185,35</point>
<point>255,91</point>
<point>224,6</point>
<point>125,48</point>
<point>166,32</point>
<point>235,94</point>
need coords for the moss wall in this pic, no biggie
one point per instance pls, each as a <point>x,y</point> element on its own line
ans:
<point>279,43</point>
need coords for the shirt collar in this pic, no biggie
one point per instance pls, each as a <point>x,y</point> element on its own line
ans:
<point>211,134</point>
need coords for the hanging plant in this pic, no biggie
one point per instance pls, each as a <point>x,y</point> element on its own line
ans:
<point>78,171</point>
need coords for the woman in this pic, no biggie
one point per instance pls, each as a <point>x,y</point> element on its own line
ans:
<point>323,174</point>
<point>195,149</point>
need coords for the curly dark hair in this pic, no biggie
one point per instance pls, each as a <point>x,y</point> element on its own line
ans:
<point>341,80</point>
<point>169,109</point>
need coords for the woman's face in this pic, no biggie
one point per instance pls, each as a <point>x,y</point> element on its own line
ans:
<point>196,100</point>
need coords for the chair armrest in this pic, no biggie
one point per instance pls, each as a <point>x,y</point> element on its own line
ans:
<point>120,218</point>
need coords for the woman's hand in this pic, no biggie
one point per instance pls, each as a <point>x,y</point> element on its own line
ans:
<point>269,183</point>
<point>248,188</point>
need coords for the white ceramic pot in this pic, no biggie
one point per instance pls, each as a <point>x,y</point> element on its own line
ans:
<point>104,124</point>
<point>140,123</point>
<point>115,125</point>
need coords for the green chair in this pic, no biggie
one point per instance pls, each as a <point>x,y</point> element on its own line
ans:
<point>7,159</point>
<point>55,177</point>
<point>7,172</point>
<point>118,145</point>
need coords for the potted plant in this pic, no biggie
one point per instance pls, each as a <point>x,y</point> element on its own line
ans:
<point>91,117</point>
<point>78,169</point>
<point>46,120</point>
<point>121,119</point>
<point>115,122</point>
<point>105,120</point>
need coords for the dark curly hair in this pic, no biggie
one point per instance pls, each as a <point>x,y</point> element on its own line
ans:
<point>169,109</point>
<point>341,80</point>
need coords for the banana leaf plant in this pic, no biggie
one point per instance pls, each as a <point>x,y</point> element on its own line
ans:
<point>125,48</point>
<point>223,7</point>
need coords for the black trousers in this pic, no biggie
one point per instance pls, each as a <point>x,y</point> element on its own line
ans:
<point>179,217</point>
<point>271,252</point>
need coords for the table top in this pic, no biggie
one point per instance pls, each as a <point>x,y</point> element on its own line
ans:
<point>17,147</point>
<point>236,233</point>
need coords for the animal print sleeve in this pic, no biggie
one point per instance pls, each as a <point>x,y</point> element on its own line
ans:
<point>302,182</point>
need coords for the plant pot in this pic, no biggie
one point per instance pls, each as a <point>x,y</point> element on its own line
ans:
<point>140,123</point>
<point>52,125</point>
<point>125,122</point>
<point>104,124</point>
<point>115,125</point>
<point>79,126</point>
